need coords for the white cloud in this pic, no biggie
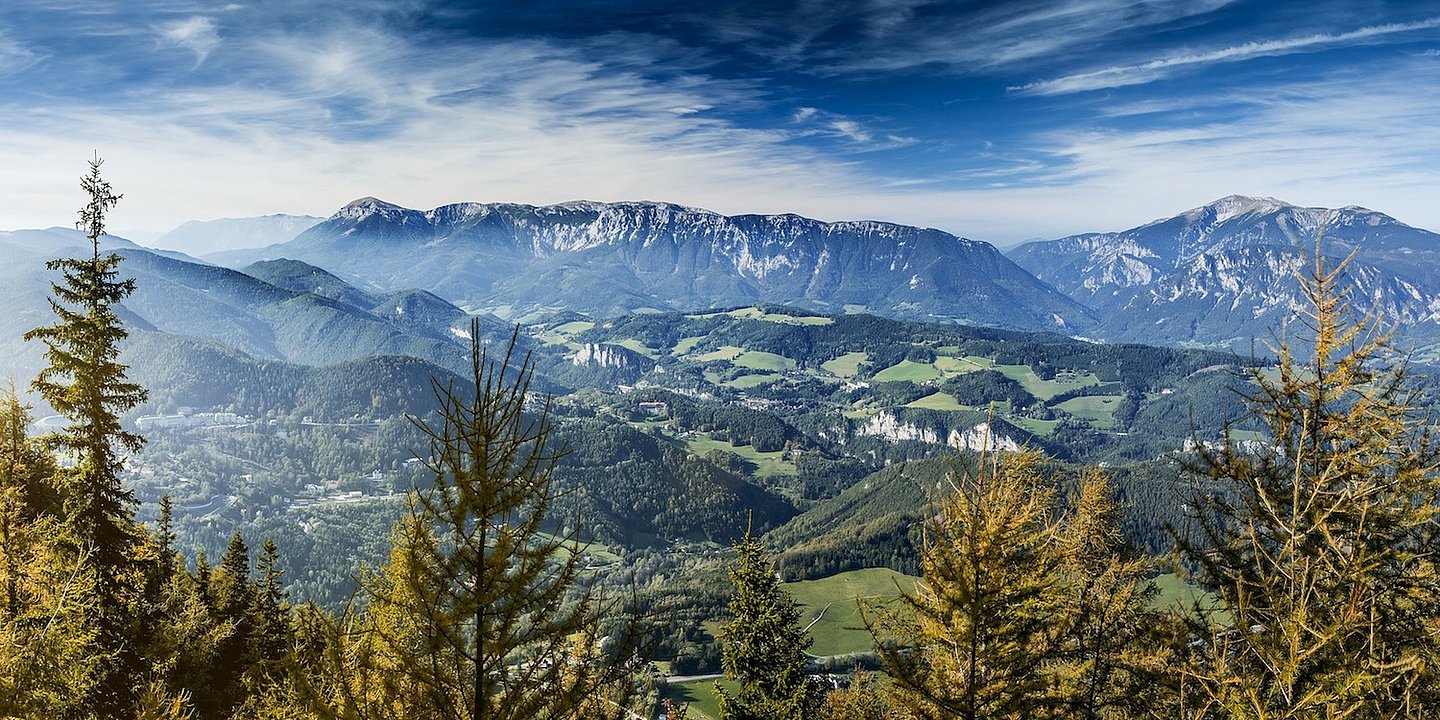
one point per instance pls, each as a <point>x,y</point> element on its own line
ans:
<point>196,34</point>
<point>997,35</point>
<point>1164,67</point>
<point>14,57</point>
<point>305,123</point>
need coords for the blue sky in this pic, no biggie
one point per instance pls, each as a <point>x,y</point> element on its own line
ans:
<point>997,121</point>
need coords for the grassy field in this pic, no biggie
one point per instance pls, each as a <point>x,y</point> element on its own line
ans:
<point>727,353</point>
<point>1098,409</point>
<point>1176,593</point>
<point>745,382</point>
<point>637,346</point>
<point>846,365</point>
<point>686,345</point>
<point>957,365</point>
<point>756,360</point>
<point>575,326</point>
<point>1037,427</point>
<point>1043,389</point>
<point>754,313</point>
<point>767,463</point>
<point>840,630</point>
<point>908,370</point>
<point>937,401</point>
<point>700,696</point>
<point>596,550</point>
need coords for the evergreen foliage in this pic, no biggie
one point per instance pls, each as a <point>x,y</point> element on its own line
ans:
<point>1114,649</point>
<point>85,382</point>
<point>763,644</point>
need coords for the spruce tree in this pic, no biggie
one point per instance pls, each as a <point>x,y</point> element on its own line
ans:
<point>85,382</point>
<point>977,638</point>
<point>763,644</point>
<point>232,598</point>
<point>1320,540</point>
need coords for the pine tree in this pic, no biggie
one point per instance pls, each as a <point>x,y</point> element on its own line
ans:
<point>25,469</point>
<point>45,662</point>
<point>86,383</point>
<point>1320,541</point>
<point>976,640</point>
<point>763,644</point>
<point>480,613</point>
<point>25,465</point>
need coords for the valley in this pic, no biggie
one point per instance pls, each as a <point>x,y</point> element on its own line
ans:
<point>288,402</point>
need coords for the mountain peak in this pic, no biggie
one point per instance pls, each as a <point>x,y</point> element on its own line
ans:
<point>1232,206</point>
<point>365,206</point>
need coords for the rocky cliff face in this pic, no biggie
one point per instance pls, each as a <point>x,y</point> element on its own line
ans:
<point>612,258</point>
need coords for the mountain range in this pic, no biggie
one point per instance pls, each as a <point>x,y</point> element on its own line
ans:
<point>609,259</point>
<point>201,237</point>
<point>379,279</point>
<point>283,312</point>
<point>1224,273</point>
<point>1216,276</point>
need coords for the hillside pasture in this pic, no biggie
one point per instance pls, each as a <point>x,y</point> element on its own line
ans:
<point>828,606</point>
<point>1098,409</point>
<point>847,365</point>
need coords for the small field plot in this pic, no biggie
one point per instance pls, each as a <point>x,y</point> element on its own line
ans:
<point>745,382</point>
<point>700,696</point>
<point>846,365</point>
<point>957,365</point>
<point>767,463</point>
<point>1177,594</point>
<point>908,370</point>
<point>1036,427</point>
<point>937,401</point>
<point>756,360</point>
<point>1098,409</point>
<point>574,326</point>
<point>727,353</point>
<point>637,346</point>
<point>829,607</point>
<point>1045,389</point>
<point>753,313</point>
<point>686,345</point>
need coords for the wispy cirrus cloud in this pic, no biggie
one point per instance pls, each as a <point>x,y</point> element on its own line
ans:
<point>196,34</point>
<point>902,109</point>
<point>364,110</point>
<point>1171,65</point>
<point>14,57</point>
<point>968,38</point>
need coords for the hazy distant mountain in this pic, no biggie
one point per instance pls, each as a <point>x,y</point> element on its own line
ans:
<point>181,297</point>
<point>202,237</point>
<point>607,259</point>
<point>406,308</point>
<point>1224,272</point>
